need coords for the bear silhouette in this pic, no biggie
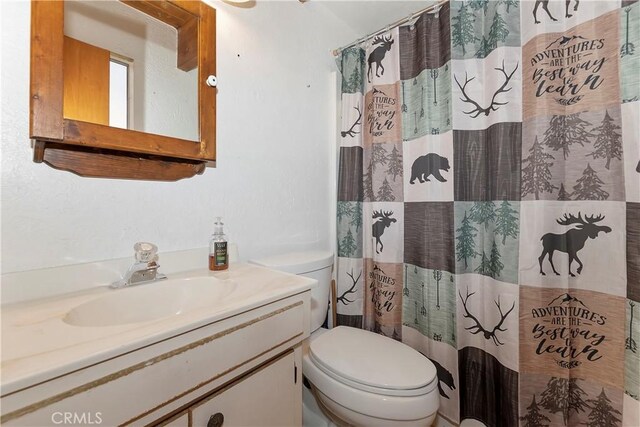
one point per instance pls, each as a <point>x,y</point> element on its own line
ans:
<point>429,164</point>
<point>445,377</point>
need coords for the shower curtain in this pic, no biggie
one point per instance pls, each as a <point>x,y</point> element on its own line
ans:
<point>489,205</point>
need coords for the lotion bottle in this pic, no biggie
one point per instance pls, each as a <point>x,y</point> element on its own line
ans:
<point>218,253</point>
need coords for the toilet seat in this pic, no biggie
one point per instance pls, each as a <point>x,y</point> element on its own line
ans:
<point>372,363</point>
<point>355,396</point>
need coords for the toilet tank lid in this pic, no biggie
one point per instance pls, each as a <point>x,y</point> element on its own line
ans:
<point>297,262</point>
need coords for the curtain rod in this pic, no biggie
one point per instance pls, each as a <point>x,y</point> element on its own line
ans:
<point>336,52</point>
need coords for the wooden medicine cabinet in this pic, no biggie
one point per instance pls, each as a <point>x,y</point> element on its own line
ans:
<point>69,95</point>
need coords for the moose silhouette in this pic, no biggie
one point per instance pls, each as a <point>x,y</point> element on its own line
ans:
<point>384,220</point>
<point>571,241</point>
<point>545,7</point>
<point>378,54</point>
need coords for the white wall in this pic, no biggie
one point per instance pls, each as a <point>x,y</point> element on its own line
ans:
<point>275,144</point>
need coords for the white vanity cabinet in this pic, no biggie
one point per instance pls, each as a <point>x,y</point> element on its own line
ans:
<point>268,396</point>
<point>246,367</point>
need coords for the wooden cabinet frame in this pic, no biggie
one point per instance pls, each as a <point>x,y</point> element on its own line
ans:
<point>89,149</point>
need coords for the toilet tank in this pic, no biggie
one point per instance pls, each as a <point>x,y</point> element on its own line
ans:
<point>313,264</point>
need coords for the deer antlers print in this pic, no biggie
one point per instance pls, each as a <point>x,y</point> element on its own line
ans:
<point>352,290</point>
<point>352,133</point>
<point>477,108</point>
<point>477,328</point>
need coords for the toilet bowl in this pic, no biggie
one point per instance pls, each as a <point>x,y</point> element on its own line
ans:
<point>365,379</point>
<point>359,378</point>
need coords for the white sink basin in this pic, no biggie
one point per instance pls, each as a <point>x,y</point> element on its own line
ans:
<point>151,301</point>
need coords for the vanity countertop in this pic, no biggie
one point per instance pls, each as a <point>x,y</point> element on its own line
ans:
<point>38,345</point>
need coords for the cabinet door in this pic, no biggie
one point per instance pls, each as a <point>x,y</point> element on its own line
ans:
<point>268,396</point>
<point>86,82</point>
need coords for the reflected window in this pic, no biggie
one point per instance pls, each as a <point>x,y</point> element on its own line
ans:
<point>119,93</point>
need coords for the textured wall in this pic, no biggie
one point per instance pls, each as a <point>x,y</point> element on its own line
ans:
<point>272,183</point>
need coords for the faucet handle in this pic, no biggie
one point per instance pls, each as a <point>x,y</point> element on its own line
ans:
<point>146,252</point>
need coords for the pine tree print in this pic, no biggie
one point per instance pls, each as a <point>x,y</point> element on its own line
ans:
<point>356,216</point>
<point>602,413</point>
<point>562,193</point>
<point>483,213</point>
<point>379,155</point>
<point>536,175</point>
<point>344,209</point>
<point>347,245</point>
<point>485,48</point>
<point>534,418</point>
<point>563,395</point>
<point>367,182</point>
<point>498,31</point>
<point>564,131</point>
<point>395,163</point>
<point>495,265</point>
<point>352,82</point>
<point>506,221</point>
<point>466,246</point>
<point>509,3</point>
<point>355,80</point>
<point>485,266</point>
<point>385,192</point>
<point>462,30</point>
<point>608,144</point>
<point>588,186</point>
<point>479,4</point>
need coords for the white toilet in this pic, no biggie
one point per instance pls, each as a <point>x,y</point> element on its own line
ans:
<point>359,378</point>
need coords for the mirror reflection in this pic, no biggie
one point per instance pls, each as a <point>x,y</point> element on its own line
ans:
<point>120,70</point>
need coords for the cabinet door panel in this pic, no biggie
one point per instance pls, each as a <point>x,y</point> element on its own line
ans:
<point>86,82</point>
<point>267,397</point>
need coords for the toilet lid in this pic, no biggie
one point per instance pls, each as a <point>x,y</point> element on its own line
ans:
<point>371,359</point>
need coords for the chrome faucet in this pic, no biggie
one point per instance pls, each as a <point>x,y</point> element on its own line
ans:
<point>145,269</point>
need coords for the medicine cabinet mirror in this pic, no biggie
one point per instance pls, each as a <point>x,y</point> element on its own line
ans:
<point>123,89</point>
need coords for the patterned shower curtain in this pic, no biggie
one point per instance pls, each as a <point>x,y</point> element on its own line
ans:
<point>489,205</point>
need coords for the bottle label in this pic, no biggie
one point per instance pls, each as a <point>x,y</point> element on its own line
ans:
<point>220,252</point>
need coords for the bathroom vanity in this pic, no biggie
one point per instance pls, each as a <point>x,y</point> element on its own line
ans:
<point>200,348</point>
